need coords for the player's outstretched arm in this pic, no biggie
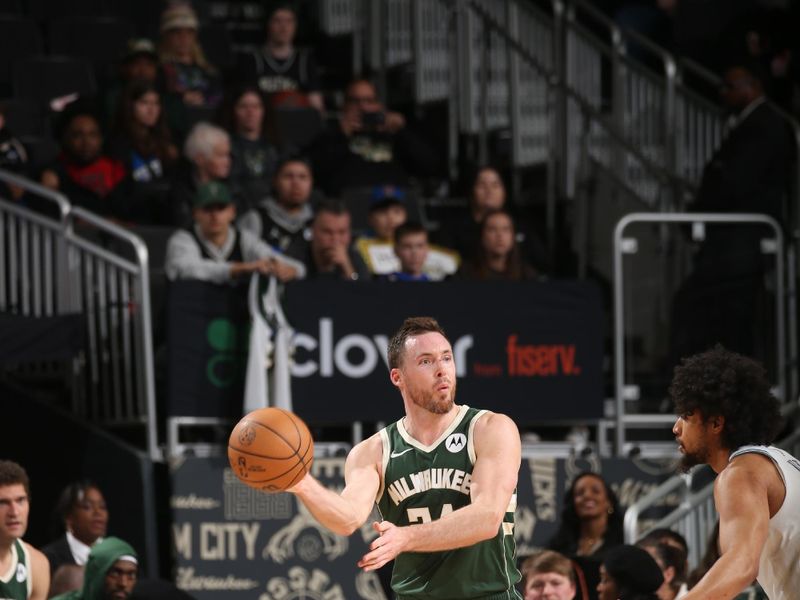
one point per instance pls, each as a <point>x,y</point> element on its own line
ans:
<point>494,477</point>
<point>345,513</point>
<point>40,571</point>
<point>740,494</point>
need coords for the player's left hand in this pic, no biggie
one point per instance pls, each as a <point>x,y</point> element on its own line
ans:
<point>386,547</point>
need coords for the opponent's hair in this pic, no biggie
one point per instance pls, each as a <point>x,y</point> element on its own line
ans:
<point>11,474</point>
<point>719,382</point>
<point>412,326</point>
<point>548,561</point>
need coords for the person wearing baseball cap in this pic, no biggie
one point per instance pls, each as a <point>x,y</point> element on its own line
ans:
<point>215,250</point>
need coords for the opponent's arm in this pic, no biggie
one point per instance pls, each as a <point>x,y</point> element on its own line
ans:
<point>741,497</point>
<point>494,477</point>
<point>40,572</point>
<point>345,513</point>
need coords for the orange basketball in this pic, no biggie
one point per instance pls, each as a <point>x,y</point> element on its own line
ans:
<point>270,449</point>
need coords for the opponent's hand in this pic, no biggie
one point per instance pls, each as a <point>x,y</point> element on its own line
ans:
<point>392,541</point>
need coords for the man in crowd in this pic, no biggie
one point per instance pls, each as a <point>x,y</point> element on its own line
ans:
<point>371,146</point>
<point>216,251</point>
<point>282,219</point>
<point>330,254</point>
<point>111,572</point>
<point>24,572</point>
<point>411,248</point>
<point>286,74</point>
<point>82,172</point>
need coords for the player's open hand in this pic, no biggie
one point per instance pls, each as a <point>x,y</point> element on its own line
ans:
<point>386,547</point>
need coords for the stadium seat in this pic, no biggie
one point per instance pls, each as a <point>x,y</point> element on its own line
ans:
<point>102,40</point>
<point>24,118</point>
<point>44,10</point>
<point>43,78</point>
<point>20,38</point>
<point>11,7</point>
<point>216,43</point>
<point>296,127</point>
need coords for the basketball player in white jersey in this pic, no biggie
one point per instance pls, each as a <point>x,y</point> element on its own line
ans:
<point>727,419</point>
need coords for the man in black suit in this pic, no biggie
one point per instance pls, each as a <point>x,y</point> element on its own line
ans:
<point>749,173</point>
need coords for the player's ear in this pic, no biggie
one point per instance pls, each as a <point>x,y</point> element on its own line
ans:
<point>395,376</point>
<point>717,423</point>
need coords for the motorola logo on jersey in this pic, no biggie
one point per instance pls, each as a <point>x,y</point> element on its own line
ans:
<point>354,355</point>
<point>455,442</point>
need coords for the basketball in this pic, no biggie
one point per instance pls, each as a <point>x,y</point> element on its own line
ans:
<point>270,449</point>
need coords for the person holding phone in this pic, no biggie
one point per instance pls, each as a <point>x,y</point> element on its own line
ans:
<point>369,146</point>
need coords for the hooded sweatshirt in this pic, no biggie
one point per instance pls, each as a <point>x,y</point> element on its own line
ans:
<point>101,558</point>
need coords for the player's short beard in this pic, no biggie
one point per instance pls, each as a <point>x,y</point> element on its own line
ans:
<point>426,400</point>
<point>692,459</point>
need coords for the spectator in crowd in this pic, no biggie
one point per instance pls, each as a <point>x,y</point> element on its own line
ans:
<point>548,575</point>
<point>286,74</point>
<point>111,572</point>
<point>387,212</point>
<point>66,578</point>
<point>214,250</point>
<point>672,562</point>
<point>710,556</point>
<point>141,138</point>
<point>139,63</point>
<point>185,71</point>
<point>18,557</point>
<point>86,175</point>
<point>207,154</point>
<point>83,513</point>
<point>499,257</point>
<point>663,535</point>
<point>282,219</point>
<point>487,193</point>
<point>411,248</point>
<point>253,157</point>
<point>591,524</point>
<point>629,573</point>
<point>749,173</point>
<point>370,146</point>
<point>330,253</point>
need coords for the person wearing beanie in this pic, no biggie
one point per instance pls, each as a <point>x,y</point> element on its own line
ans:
<point>111,572</point>
<point>629,573</point>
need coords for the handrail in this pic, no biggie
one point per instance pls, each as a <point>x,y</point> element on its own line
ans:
<point>556,80</point>
<point>619,339</point>
<point>146,364</point>
<point>57,198</point>
<point>680,482</point>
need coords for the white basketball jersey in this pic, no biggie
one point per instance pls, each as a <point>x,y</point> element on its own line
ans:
<point>779,568</point>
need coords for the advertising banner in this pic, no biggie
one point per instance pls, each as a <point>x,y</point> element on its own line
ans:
<point>530,350</point>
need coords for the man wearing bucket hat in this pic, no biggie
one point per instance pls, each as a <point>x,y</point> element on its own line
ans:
<point>214,250</point>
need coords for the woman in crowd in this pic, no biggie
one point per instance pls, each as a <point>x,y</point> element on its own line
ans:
<point>185,71</point>
<point>629,573</point>
<point>487,193</point>
<point>672,562</point>
<point>253,157</point>
<point>82,511</point>
<point>141,138</point>
<point>499,257</point>
<point>548,575</point>
<point>591,524</point>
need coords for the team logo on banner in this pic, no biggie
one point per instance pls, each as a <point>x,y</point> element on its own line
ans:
<point>306,538</point>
